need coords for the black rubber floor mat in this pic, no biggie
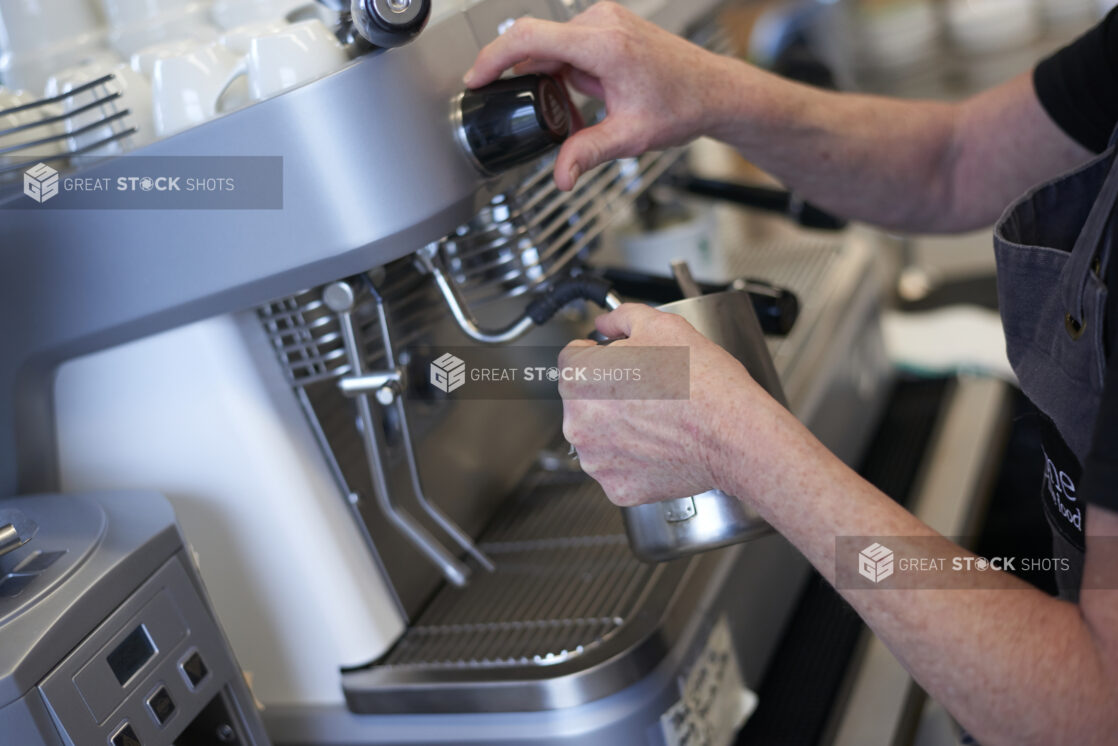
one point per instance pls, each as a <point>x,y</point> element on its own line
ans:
<point>798,691</point>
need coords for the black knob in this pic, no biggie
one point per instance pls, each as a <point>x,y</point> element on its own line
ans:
<point>390,23</point>
<point>512,121</point>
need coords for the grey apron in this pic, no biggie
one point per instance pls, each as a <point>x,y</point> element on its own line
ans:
<point>1052,248</point>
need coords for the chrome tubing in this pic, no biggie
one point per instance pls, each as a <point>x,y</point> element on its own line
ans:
<point>462,316</point>
<point>461,537</point>
<point>465,319</point>
<point>339,297</point>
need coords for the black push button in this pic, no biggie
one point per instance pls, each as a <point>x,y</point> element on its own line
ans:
<point>126,736</point>
<point>194,669</point>
<point>161,705</point>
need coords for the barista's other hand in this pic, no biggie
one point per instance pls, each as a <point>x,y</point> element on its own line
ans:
<point>659,89</point>
<point>649,449</point>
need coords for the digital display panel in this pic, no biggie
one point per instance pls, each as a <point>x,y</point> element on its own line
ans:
<point>131,654</point>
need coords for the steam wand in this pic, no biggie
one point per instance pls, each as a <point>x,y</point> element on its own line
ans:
<point>387,386</point>
<point>538,312</point>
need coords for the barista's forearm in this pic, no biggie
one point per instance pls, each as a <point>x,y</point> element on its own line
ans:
<point>883,161</point>
<point>914,166</point>
<point>1013,665</point>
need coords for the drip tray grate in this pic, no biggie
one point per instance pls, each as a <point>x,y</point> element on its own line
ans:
<point>565,582</point>
<point>568,616</point>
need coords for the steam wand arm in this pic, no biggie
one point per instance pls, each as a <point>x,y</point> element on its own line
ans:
<point>442,519</point>
<point>538,312</point>
<point>340,298</point>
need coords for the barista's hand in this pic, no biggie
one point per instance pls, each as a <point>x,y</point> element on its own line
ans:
<point>660,90</point>
<point>644,450</point>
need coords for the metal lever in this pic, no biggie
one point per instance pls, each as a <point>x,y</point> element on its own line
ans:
<point>385,386</point>
<point>390,394</point>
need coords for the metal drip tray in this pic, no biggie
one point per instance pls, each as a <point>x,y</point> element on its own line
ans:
<point>565,582</point>
<point>566,598</point>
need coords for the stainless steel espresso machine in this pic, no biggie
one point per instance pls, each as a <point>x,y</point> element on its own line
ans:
<point>394,561</point>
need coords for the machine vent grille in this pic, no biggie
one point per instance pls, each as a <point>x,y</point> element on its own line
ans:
<point>524,238</point>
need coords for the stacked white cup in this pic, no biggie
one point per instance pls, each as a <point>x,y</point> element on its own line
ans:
<point>38,37</point>
<point>132,94</point>
<point>231,14</point>
<point>29,128</point>
<point>192,83</point>
<point>135,24</point>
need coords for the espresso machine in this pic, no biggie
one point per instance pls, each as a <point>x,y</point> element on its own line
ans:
<point>391,560</point>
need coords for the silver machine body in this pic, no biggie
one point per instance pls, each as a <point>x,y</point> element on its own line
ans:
<point>107,633</point>
<point>391,564</point>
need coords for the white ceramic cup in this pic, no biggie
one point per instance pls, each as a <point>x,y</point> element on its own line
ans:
<point>229,14</point>
<point>193,84</point>
<point>38,24</point>
<point>143,60</point>
<point>136,24</point>
<point>38,37</point>
<point>127,12</point>
<point>290,56</point>
<point>239,40</point>
<point>133,94</point>
<point>187,86</point>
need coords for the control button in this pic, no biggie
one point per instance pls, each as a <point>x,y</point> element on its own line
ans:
<point>126,736</point>
<point>161,705</point>
<point>194,669</point>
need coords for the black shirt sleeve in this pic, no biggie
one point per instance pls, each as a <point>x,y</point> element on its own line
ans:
<point>1078,85</point>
